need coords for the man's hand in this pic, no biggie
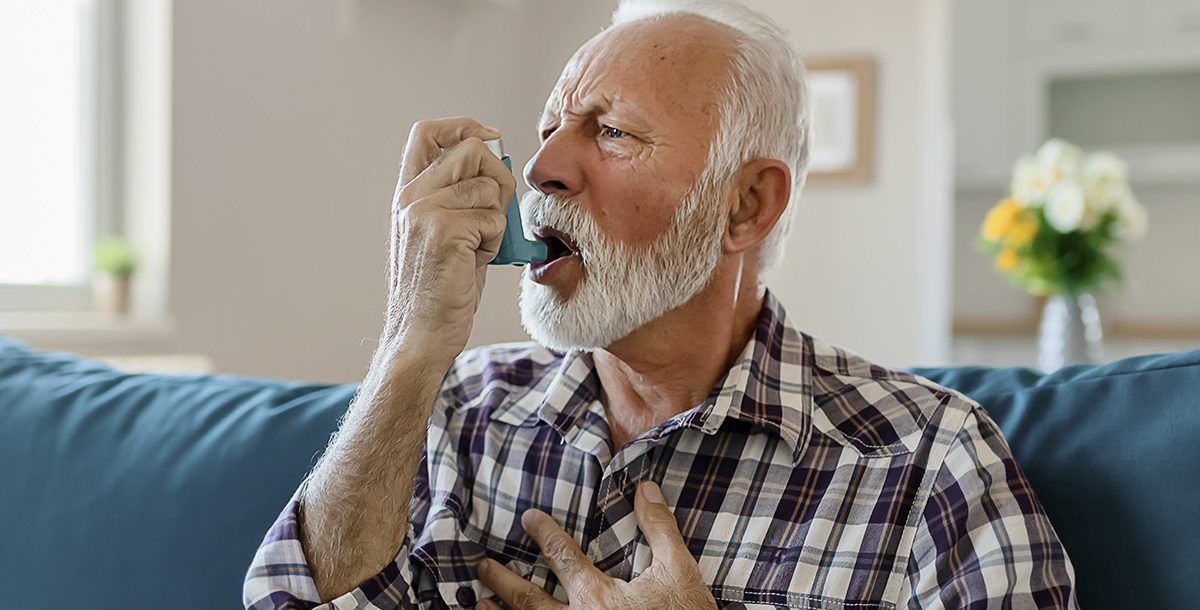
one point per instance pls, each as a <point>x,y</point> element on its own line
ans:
<point>447,224</point>
<point>672,582</point>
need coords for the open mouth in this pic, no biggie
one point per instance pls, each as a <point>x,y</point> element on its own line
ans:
<point>558,244</point>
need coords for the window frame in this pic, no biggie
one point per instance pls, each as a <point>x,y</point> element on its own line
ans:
<point>100,166</point>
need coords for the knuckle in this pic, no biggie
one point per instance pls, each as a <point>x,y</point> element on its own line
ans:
<point>461,189</point>
<point>475,144</point>
<point>481,191</point>
<point>491,188</point>
<point>488,227</point>
<point>659,524</point>
<point>663,519</point>
<point>526,599</point>
<point>557,549</point>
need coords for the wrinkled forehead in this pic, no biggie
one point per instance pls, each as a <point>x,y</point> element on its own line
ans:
<point>672,66</point>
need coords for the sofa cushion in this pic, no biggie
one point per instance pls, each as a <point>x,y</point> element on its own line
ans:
<point>153,491</point>
<point>1112,452</point>
<point>144,491</point>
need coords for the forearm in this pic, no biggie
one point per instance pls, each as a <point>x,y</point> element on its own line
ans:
<point>354,510</point>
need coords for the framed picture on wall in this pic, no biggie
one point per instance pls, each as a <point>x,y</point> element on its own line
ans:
<point>843,98</point>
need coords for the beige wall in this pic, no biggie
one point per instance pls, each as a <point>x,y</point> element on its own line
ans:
<point>289,120</point>
<point>288,127</point>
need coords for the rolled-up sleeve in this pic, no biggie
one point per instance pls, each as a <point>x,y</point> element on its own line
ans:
<point>279,578</point>
<point>984,540</point>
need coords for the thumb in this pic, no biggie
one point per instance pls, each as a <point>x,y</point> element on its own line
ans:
<point>658,524</point>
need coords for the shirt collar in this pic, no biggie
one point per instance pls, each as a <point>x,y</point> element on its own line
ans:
<point>768,387</point>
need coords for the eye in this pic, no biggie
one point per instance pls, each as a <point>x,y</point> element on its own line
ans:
<point>546,132</point>
<point>611,132</point>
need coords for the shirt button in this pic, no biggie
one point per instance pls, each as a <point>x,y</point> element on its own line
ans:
<point>465,596</point>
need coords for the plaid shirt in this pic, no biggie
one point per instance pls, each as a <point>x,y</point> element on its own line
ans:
<point>809,478</point>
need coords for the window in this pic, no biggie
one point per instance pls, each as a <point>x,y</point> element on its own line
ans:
<point>57,58</point>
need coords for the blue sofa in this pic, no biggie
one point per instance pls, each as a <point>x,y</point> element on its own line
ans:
<point>153,491</point>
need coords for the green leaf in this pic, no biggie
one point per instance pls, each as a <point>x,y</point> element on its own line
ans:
<point>115,256</point>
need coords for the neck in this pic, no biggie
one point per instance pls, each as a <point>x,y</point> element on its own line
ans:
<point>670,364</point>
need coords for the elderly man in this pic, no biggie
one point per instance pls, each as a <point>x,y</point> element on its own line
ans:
<point>671,440</point>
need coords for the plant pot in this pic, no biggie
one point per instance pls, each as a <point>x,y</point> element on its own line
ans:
<point>1070,332</point>
<point>111,294</point>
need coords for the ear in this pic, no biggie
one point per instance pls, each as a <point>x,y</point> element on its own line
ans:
<point>763,187</point>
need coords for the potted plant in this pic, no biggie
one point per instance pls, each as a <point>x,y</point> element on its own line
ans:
<point>116,262</point>
<point>1053,236</point>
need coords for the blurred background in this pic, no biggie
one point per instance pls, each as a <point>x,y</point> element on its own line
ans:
<point>246,154</point>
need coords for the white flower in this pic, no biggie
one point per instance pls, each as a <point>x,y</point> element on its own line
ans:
<point>1065,207</point>
<point>1028,184</point>
<point>1104,168</point>
<point>1105,179</point>
<point>1058,160</point>
<point>1132,220</point>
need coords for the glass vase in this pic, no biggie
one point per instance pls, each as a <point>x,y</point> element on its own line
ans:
<point>1069,332</point>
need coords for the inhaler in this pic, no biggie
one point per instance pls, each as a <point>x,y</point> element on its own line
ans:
<point>515,248</point>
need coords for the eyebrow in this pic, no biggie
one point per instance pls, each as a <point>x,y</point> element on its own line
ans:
<point>597,107</point>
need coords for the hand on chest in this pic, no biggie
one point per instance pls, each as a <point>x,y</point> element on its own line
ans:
<point>761,534</point>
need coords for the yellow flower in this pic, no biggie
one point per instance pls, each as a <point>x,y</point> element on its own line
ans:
<point>1021,231</point>
<point>1007,260</point>
<point>999,219</point>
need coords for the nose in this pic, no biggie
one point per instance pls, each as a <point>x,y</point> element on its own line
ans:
<point>555,170</point>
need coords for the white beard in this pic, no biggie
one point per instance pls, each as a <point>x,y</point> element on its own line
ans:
<point>623,287</point>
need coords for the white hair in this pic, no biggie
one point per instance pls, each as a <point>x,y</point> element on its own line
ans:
<point>765,109</point>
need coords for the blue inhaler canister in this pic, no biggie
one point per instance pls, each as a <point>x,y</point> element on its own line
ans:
<point>515,249</point>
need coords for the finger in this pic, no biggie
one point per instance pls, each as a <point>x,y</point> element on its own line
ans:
<point>427,139</point>
<point>489,225</point>
<point>468,159</point>
<point>480,230</point>
<point>481,193</point>
<point>478,192</point>
<point>658,524</point>
<point>562,554</point>
<point>517,592</point>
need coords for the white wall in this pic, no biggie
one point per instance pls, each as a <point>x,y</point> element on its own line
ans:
<point>289,120</point>
<point>867,267</point>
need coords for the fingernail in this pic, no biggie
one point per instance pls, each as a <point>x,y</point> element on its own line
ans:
<point>529,515</point>
<point>482,568</point>
<point>653,493</point>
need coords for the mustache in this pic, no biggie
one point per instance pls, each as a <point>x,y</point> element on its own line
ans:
<point>565,215</point>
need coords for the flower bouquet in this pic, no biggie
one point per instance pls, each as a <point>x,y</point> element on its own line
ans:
<point>1054,233</point>
<point>1053,236</point>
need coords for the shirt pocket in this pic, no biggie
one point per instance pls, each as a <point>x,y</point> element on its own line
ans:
<point>793,577</point>
<point>450,549</point>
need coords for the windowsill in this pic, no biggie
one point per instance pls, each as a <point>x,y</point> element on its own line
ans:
<point>76,328</point>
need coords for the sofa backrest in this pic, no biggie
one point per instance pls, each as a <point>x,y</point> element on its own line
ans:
<point>1113,452</point>
<point>144,491</point>
<point>153,491</point>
